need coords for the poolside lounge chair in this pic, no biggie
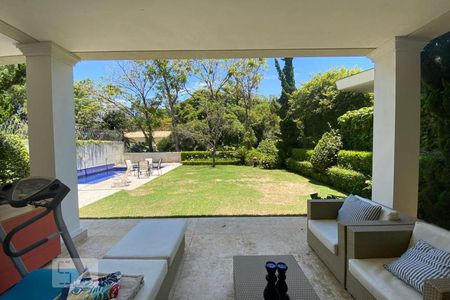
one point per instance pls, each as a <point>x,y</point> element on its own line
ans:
<point>121,179</point>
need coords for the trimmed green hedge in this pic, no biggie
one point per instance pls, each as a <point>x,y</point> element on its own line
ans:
<point>208,162</point>
<point>195,155</point>
<point>356,128</point>
<point>305,168</point>
<point>302,154</point>
<point>348,181</point>
<point>360,161</point>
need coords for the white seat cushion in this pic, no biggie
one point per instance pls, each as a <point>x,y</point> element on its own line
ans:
<point>387,214</point>
<point>154,272</point>
<point>326,232</point>
<point>150,239</point>
<point>380,282</point>
<point>433,235</point>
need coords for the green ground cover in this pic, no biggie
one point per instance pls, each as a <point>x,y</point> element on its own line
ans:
<point>205,191</point>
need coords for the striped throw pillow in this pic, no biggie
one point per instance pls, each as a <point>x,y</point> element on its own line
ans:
<point>354,210</point>
<point>420,263</point>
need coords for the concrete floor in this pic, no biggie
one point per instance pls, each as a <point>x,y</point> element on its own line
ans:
<point>211,243</point>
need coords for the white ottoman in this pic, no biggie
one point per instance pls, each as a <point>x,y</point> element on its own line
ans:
<point>159,239</point>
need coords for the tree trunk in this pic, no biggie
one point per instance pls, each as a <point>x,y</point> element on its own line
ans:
<point>175,134</point>
<point>214,156</point>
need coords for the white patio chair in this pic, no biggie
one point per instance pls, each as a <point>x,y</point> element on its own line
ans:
<point>158,166</point>
<point>143,168</point>
<point>130,167</point>
<point>150,165</point>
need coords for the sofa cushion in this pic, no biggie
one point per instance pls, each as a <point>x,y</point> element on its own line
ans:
<point>419,263</point>
<point>326,232</point>
<point>433,235</point>
<point>154,272</point>
<point>151,239</point>
<point>378,281</point>
<point>354,209</point>
<point>387,214</point>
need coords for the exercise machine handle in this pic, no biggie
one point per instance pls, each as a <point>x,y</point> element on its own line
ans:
<point>7,242</point>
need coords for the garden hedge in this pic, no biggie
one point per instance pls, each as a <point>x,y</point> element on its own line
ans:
<point>360,161</point>
<point>349,181</point>
<point>356,128</point>
<point>194,155</point>
<point>208,162</point>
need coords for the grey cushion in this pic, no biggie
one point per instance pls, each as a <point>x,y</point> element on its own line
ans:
<point>419,263</point>
<point>354,209</point>
<point>326,232</point>
<point>379,282</point>
<point>432,234</point>
<point>151,239</point>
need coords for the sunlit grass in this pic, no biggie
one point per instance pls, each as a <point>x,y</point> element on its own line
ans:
<point>206,191</point>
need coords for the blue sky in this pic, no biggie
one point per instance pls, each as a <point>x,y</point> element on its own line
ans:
<point>304,68</point>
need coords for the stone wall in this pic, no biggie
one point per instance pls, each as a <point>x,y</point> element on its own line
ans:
<point>167,157</point>
<point>99,153</point>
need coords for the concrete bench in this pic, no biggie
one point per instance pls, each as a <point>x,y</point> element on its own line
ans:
<point>153,240</point>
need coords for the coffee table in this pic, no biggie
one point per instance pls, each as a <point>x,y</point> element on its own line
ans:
<point>249,276</point>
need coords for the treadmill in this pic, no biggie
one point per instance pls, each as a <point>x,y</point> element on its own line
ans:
<point>47,193</point>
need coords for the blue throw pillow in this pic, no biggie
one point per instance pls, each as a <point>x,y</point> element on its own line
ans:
<point>354,210</point>
<point>419,263</point>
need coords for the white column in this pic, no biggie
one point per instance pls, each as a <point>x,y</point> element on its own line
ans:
<point>51,120</point>
<point>396,136</point>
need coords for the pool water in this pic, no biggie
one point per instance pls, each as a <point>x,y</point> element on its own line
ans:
<point>99,176</point>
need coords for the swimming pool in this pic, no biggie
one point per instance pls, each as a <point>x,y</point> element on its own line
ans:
<point>98,174</point>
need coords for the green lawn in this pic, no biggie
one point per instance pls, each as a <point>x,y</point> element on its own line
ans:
<point>206,191</point>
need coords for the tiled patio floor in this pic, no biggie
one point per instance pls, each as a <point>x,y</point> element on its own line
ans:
<point>206,269</point>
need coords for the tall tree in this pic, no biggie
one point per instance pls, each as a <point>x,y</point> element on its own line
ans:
<point>171,77</point>
<point>131,89</point>
<point>289,132</point>
<point>12,92</point>
<point>247,77</point>
<point>214,75</point>
<point>87,107</point>
<point>434,204</point>
<point>318,103</point>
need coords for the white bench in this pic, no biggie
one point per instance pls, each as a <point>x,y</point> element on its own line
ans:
<point>153,248</point>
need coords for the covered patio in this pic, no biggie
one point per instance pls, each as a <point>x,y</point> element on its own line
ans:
<point>52,36</point>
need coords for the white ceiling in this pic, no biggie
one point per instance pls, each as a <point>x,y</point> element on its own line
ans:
<point>101,28</point>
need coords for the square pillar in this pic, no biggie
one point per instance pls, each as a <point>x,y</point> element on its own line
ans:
<point>396,128</point>
<point>51,120</point>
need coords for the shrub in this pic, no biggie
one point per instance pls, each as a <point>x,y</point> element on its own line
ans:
<point>265,156</point>
<point>302,154</point>
<point>14,159</point>
<point>360,161</point>
<point>326,150</point>
<point>348,181</point>
<point>356,127</point>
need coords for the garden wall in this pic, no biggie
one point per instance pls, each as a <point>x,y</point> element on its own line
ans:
<point>167,157</point>
<point>98,153</point>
